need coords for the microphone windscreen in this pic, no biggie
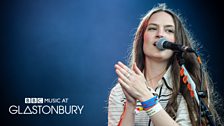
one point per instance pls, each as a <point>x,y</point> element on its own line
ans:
<point>159,43</point>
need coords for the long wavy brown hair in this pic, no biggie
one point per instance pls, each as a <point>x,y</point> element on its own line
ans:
<point>183,37</point>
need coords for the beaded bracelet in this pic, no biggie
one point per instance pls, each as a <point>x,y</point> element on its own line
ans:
<point>150,103</point>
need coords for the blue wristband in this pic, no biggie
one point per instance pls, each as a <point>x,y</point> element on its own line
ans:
<point>150,103</point>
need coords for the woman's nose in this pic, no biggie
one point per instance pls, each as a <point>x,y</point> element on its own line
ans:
<point>160,33</point>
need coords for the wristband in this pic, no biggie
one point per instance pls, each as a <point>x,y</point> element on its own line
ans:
<point>155,109</point>
<point>150,103</point>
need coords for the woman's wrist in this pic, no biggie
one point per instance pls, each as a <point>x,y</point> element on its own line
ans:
<point>146,95</point>
<point>152,106</point>
<point>150,103</point>
<point>130,105</point>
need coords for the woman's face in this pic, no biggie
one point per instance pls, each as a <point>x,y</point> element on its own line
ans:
<point>160,24</point>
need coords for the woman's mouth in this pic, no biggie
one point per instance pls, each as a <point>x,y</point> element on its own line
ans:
<point>154,43</point>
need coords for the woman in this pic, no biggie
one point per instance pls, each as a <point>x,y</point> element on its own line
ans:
<point>151,91</point>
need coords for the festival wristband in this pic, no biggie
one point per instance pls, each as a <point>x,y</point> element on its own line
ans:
<point>155,109</point>
<point>150,103</point>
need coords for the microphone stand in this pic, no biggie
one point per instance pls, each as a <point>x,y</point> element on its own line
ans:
<point>203,109</point>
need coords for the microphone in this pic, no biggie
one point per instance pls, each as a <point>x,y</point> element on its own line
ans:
<point>162,44</point>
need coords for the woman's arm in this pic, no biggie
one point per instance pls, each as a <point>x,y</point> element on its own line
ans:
<point>128,116</point>
<point>163,119</point>
<point>135,86</point>
<point>118,112</point>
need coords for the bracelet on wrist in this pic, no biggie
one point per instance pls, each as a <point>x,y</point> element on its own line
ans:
<point>155,109</point>
<point>150,103</point>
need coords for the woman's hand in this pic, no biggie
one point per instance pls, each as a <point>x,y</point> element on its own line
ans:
<point>133,82</point>
<point>129,99</point>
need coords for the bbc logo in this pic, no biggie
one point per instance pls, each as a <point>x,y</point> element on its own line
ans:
<point>34,100</point>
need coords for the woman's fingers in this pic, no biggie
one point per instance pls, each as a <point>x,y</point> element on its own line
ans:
<point>125,67</point>
<point>129,98</point>
<point>124,72</point>
<point>122,75</point>
<point>123,84</point>
<point>136,69</point>
<point>133,81</point>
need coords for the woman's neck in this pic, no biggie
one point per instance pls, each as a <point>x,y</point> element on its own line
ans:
<point>154,71</point>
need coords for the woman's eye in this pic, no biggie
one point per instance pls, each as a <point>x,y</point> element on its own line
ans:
<point>151,28</point>
<point>170,30</point>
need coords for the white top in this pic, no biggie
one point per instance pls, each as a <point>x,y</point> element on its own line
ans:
<point>164,90</point>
